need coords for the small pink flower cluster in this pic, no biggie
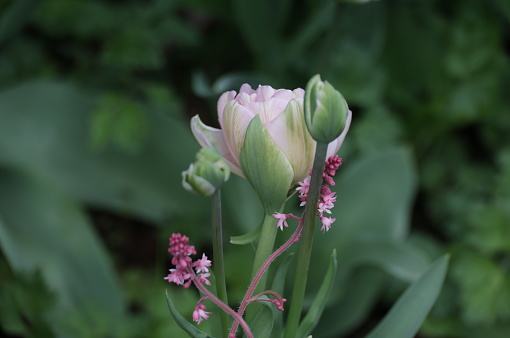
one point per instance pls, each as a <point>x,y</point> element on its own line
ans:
<point>183,273</point>
<point>199,313</point>
<point>326,198</point>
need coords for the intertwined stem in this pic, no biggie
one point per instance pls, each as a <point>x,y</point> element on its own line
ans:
<point>220,304</point>
<point>260,273</point>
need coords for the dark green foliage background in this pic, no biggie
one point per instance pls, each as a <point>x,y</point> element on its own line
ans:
<point>95,99</point>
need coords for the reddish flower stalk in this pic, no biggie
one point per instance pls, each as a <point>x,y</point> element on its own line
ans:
<point>184,275</point>
<point>248,297</point>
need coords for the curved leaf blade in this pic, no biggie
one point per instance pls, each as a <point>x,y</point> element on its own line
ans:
<point>183,323</point>
<point>248,238</point>
<point>314,313</point>
<point>408,313</point>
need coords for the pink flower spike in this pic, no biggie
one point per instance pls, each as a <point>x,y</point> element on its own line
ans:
<point>200,314</point>
<point>282,220</point>
<point>326,222</point>
<point>202,264</point>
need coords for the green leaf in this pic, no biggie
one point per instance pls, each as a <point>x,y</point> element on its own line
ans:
<point>248,238</point>
<point>383,183</point>
<point>408,313</point>
<point>386,191</point>
<point>16,15</point>
<point>358,295</point>
<point>41,228</point>
<point>399,259</point>
<point>183,323</point>
<point>50,135</point>
<point>262,324</point>
<point>314,313</point>
<point>265,166</point>
<point>309,31</point>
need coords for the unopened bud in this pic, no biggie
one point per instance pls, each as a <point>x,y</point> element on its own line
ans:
<point>207,173</point>
<point>325,110</point>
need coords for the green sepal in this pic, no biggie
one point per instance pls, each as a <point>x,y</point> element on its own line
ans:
<point>191,330</point>
<point>314,313</point>
<point>408,313</point>
<point>265,166</point>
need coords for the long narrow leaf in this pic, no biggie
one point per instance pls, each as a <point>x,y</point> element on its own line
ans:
<point>314,313</point>
<point>183,323</point>
<point>407,315</point>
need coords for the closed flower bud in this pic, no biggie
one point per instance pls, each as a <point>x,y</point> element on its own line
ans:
<point>207,174</point>
<point>327,115</point>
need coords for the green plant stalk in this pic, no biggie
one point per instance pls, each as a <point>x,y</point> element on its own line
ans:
<point>264,250</point>
<point>306,241</point>
<point>218,263</point>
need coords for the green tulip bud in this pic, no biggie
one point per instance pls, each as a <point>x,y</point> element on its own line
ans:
<point>207,173</point>
<point>326,111</point>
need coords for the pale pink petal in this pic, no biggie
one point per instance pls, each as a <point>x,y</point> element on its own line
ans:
<point>290,134</point>
<point>264,93</point>
<point>246,88</point>
<point>244,98</point>
<point>212,137</point>
<point>223,100</point>
<point>335,145</point>
<point>284,94</point>
<point>299,92</point>
<point>268,110</point>
<point>235,122</point>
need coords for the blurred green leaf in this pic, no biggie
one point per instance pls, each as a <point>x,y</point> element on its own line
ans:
<point>314,313</point>
<point>352,301</point>
<point>16,15</point>
<point>311,29</point>
<point>260,23</point>
<point>43,229</point>
<point>119,120</point>
<point>484,288</point>
<point>398,259</point>
<point>25,301</point>
<point>408,313</point>
<point>375,195</point>
<point>49,134</point>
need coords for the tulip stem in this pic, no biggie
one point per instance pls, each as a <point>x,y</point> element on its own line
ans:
<point>306,241</point>
<point>264,250</point>
<point>218,261</point>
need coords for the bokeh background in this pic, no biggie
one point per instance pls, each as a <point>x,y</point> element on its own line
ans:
<point>95,99</point>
